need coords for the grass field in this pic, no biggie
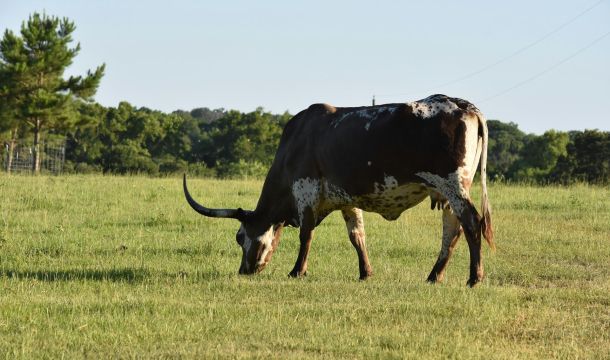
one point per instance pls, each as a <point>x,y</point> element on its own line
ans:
<point>121,267</point>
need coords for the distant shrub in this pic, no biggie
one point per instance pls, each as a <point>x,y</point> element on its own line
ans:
<point>242,169</point>
<point>170,165</point>
<point>81,168</point>
<point>201,170</point>
<point>129,158</point>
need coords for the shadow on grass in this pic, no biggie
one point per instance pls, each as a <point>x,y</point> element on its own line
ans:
<point>113,275</point>
<point>204,250</point>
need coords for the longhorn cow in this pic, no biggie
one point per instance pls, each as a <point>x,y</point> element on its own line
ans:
<point>383,159</point>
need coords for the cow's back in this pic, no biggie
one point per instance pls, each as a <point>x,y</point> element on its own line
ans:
<point>358,147</point>
<point>359,150</point>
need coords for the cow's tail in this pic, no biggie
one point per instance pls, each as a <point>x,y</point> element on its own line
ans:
<point>486,225</point>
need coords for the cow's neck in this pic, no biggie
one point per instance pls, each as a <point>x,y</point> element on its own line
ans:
<point>274,205</point>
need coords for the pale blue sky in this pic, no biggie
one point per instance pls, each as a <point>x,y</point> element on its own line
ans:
<point>286,55</point>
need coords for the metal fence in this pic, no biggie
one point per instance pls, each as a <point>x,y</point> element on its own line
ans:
<point>52,158</point>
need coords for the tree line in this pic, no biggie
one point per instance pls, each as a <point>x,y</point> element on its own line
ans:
<point>203,142</point>
<point>37,102</point>
<point>553,157</point>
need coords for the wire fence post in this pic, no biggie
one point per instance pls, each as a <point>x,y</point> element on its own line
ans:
<point>63,158</point>
<point>7,158</point>
<point>51,158</point>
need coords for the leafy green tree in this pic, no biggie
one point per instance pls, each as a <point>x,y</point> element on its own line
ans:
<point>587,158</point>
<point>251,137</point>
<point>129,157</point>
<point>505,143</point>
<point>10,130</point>
<point>169,138</point>
<point>126,139</point>
<point>243,169</point>
<point>207,115</point>
<point>32,66</point>
<point>539,156</point>
<point>83,145</point>
<point>124,133</point>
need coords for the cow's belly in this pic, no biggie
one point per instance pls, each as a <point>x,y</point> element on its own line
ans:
<point>388,199</point>
<point>392,202</point>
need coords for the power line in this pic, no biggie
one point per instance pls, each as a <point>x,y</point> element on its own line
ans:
<point>530,45</point>
<point>552,67</point>
<point>510,56</point>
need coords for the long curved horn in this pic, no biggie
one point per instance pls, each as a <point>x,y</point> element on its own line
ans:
<point>220,213</point>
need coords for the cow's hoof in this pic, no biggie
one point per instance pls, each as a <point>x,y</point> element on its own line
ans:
<point>435,278</point>
<point>364,277</point>
<point>297,274</point>
<point>473,282</point>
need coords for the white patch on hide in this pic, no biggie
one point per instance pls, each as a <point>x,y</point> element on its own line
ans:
<point>370,114</point>
<point>354,221</point>
<point>431,106</point>
<point>451,188</point>
<point>306,193</point>
<point>473,146</point>
<point>390,199</point>
<point>334,196</point>
<point>267,241</point>
<point>451,228</point>
<point>389,183</point>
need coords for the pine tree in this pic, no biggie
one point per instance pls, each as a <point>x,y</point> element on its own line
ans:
<point>32,85</point>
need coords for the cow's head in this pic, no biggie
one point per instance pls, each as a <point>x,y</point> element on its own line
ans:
<point>257,238</point>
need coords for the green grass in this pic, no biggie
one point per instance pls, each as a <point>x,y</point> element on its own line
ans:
<point>94,266</point>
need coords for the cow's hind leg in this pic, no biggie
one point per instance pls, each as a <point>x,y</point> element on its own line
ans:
<point>355,230</point>
<point>453,189</point>
<point>305,236</point>
<point>451,233</point>
<point>471,223</point>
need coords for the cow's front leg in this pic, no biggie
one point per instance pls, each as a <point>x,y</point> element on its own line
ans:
<point>308,224</point>
<point>451,234</point>
<point>355,230</point>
